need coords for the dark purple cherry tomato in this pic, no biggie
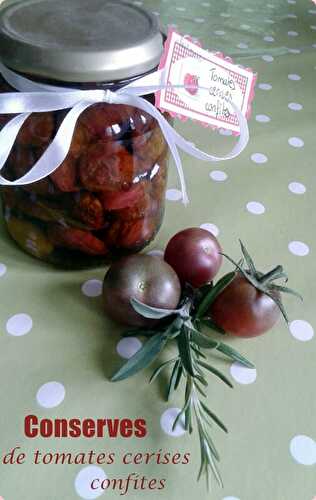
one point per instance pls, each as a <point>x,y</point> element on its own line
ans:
<point>243,310</point>
<point>146,278</point>
<point>195,256</point>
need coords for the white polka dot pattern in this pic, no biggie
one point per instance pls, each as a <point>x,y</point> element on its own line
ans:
<point>255,207</point>
<point>84,479</point>
<point>173,195</point>
<point>259,158</point>
<point>301,330</point>
<point>243,375</point>
<point>3,269</point>
<point>212,228</point>
<point>303,450</point>
<point>263,118</point>
<point>19,325</point>
<point>295,106</point>
<point>298,248</point>
<point>296,142</point>
<point>218,175</point>
<point>297,188</point>
<point>167,421</point>
<point>51,394</point>
<point>92,288</point>
<point>128,346</point>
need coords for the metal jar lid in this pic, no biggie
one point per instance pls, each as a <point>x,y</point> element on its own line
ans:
<point>79,40</point>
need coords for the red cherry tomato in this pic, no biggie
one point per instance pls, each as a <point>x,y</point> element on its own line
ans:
<point>243,310</point>
<point>195,256</point>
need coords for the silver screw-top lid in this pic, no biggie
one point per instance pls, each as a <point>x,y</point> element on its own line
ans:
<point>79,40</point>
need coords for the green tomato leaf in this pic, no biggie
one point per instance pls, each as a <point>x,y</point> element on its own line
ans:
<point>151,312</point>
<point>248,259</point>
<point>286,289</point>
<point>211,296</point>
<point>280,305</point>
<point>143,358</point>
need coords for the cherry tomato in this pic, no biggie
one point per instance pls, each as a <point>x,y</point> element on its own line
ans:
<point>89,209</point>
<point>116,200</point>
<point>37,130</point>
<point>243,310</point>
<point>65,177</point>
<point>76,239</point>
<point>195,256</point>
<point>144,277</point>
<point>106,167</point>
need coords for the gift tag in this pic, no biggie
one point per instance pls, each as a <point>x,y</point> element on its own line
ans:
<point>207,84</point>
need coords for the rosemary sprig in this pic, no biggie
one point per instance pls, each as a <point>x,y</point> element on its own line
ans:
<point>184,325</point>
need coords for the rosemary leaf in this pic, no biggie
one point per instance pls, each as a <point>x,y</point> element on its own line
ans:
<point>199,389</point>
<point>214,467</point>
<point>185,351</point>
<point>214,417</point>
<point>143,358</point>
<point>158,370</point>
<point>216,372</point>
<point>188,395</point>
<point>173,379</point>
<point>234,355</point>
<point>188,420</point>
<point>211,446</point>
<point>203,340</point>
<point>202,380</point>
<point>151,312</point>
<point>178,379</point>
<point>198,352</point>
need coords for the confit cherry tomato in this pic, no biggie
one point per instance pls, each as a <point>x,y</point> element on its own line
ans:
<point>65,177</point>
<point>117,200</point>
<point>146,278</point>
<point>195,256</point>
<point>106,166</point>
<point>244,311</point>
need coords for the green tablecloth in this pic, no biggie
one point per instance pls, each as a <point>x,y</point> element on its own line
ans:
<point>53,330</point>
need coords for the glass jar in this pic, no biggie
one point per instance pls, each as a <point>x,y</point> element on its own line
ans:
<point>107,197</point>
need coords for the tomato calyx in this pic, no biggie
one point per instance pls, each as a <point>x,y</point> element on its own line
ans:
<point>264,282</point>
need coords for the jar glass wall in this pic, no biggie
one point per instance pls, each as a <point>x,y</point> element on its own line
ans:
<point>106,199</point>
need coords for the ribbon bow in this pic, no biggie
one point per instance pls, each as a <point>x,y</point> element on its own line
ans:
<point>35,97</point>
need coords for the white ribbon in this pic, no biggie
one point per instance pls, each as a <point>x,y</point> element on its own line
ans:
<point>33,97</point>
